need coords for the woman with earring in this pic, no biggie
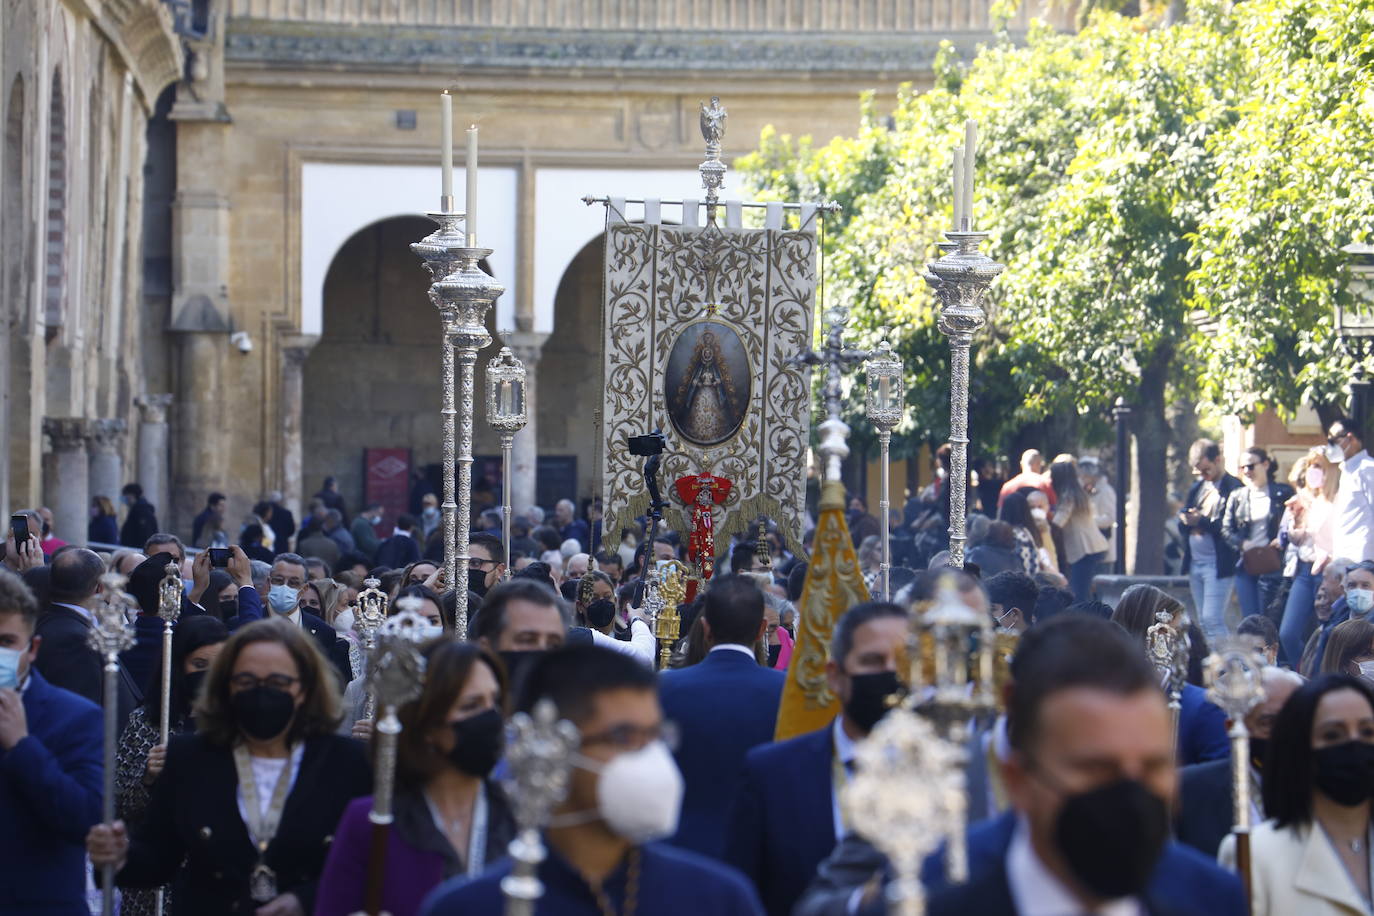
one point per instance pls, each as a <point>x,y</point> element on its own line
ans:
<point>451,817</point>
<point>1313,857</point>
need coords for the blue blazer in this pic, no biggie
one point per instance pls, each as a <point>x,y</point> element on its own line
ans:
<point>723,706</point>
<point>1184,882</point>
<point>1201,728</point>
<point>783,823</point>
<point>1205,812</point>
<point>50,785</point>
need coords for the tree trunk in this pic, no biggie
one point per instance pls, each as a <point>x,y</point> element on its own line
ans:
<point>1148,511</point>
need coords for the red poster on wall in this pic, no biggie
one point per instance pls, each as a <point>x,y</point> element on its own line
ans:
<point>386,472</point>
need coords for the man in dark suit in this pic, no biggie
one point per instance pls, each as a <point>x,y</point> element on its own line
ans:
<point>723,706</point>
<point>66,659</point>
<point>1205,812</point>
<point>401,549</point>
<point>786,818</point>
<point>1090,776</point>
<point>285,584</point>
<point>50,772</point>
<point>282,522</point>
<point>141,522</point>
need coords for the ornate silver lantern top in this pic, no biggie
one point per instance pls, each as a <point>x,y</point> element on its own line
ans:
<point>1232,673</point>
<point>506,392</point>
<point>169,594</point>
<point>371,611</point>
<point>112,632</point>
<point>886,388</point>
<point>961,650</point>
<point>1356,319</point>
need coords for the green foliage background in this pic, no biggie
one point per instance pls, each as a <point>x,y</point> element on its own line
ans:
<point>1170,204</point>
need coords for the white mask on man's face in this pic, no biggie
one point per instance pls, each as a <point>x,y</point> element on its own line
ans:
<point>638,794</point>
<point>1335,454</point>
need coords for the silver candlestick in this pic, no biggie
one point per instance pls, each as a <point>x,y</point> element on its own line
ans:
<point>372,604</point>
<point>885,405</point>
<point>539,755</point>
<point>467,294</point>
<point>110,635</point>
<point>506,415</point>
<point>440,252</point>
<point>1234,673</point>
<point>961,646</point>
<point>961,279</point>
<point>395,676</point>
<point>169,609</point>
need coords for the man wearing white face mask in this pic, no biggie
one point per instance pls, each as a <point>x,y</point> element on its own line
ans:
<point>1354,508</point>
<point>1356,602</point>
<point>285,584</point>
<point>623,793</point>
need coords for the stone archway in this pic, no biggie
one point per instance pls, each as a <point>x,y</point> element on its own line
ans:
<point>570,373</point>
<point>373,379</point>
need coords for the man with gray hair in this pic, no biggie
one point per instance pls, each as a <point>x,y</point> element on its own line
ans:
<point>1205,813</point>
<point>569,526</point>
<point>334,529</point>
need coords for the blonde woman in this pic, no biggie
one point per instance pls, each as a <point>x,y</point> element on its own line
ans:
<point>1308,521</point>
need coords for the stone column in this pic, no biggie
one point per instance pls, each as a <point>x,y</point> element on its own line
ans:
<point>152,450</point>
<point>527,345</point>
<point>107,458</point>
<point>69,493</point>
<point>295,349</point>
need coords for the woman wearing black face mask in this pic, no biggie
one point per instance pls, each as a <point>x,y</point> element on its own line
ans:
<point>451,817</point>
<point>196,643</point>
<point>243,811</point>
<point>1314,857</point>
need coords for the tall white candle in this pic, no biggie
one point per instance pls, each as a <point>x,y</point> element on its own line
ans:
<point>446,144</point>
<point>958,186</point>
<point>970,169</point>
<point>470,205</point>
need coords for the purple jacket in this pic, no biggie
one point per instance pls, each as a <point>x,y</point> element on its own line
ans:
<point>418,857</point>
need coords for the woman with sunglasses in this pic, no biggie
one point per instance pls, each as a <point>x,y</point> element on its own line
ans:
<point>1250,524</point>
<point>451,818</point>
<point>241,817</point>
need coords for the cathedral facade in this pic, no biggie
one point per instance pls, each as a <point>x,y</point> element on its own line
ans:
<point>236,199</point>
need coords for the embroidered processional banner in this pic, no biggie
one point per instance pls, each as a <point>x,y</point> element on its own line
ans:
<point>701,325</point>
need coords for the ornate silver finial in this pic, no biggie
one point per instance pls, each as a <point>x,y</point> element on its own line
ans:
<point>371,612</point>
<point>395,676</point>
<point>539,753</point>
<point>112,633</point>
<point>712,170</point>
<point>908,788</point>
<point>1167,645</point>
<point>1232,673</point>
<point>169,594</point>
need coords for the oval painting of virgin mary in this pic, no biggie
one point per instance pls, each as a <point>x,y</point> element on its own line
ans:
<point>707,383</point>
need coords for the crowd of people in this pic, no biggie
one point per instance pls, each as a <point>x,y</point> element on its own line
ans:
<point>1085,795</point>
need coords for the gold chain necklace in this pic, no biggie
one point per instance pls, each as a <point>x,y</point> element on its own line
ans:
<point>631,890</point>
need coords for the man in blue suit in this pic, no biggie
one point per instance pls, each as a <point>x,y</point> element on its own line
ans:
<point>1091,777</point>
<point>787,818</point>
<point>723,706</point>
<point>50,772</point>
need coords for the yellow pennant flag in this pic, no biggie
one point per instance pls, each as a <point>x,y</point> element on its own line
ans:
<point>834,584</point>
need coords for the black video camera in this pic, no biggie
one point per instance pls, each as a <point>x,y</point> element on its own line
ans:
<point>648,445</point>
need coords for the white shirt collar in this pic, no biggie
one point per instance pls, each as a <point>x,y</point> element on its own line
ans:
<point>90,618</point>
<point>734,647</point>
<point>1037,892</point>
<point>295,616</point>
<point>1358,457</point>
<point>844,745</point>
<point>402,532</point>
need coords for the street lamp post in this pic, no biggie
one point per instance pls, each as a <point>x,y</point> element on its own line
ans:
<point>886,398</point>
<point>506,415</point>
<point>1122,413</point>
<point>1355,322</point>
